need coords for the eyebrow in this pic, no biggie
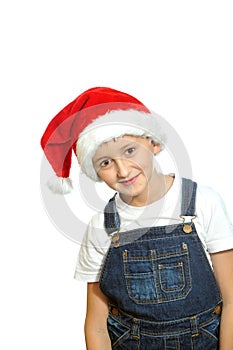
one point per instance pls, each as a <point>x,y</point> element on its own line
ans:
<point>130,144</point>
<point>100,158</point>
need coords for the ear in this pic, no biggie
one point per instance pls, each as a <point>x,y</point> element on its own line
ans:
<point>156,147</point>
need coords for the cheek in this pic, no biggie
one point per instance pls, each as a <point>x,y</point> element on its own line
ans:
<point>145,162</point>
<point>106,175</point>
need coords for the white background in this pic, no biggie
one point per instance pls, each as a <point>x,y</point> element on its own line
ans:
<point>175,56</point>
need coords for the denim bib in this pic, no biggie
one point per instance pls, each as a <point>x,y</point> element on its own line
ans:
<point>161,289</point>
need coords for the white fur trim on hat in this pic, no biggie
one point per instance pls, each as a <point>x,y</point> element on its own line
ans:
<point>60,185</point>
<point>112,125</point>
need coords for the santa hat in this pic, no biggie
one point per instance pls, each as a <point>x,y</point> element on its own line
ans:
<point>96,116</point>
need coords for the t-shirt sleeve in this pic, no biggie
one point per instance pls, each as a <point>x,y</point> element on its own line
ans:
<point>218,229</point>
<point>92,251</point>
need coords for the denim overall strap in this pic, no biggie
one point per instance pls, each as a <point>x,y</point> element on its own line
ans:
<point>111,217</point>
<point>189,188</point>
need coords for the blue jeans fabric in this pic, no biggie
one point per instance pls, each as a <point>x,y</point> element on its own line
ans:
<point>199,332</point>
<point>161,289</point>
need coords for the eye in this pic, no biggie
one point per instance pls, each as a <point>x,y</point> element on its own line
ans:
<point>105,163</point>
<point>130,151</point>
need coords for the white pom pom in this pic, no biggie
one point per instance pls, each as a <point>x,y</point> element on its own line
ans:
<point>60,185</point>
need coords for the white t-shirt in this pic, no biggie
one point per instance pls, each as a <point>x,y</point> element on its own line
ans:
<point>212,225</point>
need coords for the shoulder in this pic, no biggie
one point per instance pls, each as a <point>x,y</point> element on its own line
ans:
<point>210,205</point>
<point>96,235</point>
<point>209,199</point>
<point>207,193</point>
<point>213,223</point>
<point>97,221</point>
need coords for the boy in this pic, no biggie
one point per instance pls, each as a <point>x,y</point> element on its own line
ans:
<point>150,282</point>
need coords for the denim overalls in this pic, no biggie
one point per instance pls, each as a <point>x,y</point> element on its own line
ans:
<point>160,286</point>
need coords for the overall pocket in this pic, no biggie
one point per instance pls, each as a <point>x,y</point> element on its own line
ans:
<point>119,334</point>
<point>157,275</point>
<point>209,333</point>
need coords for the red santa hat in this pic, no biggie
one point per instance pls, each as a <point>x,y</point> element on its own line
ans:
<point>96,116</point>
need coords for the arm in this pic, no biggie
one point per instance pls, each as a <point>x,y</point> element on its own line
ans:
<point>96,332</point>
<point>223,268</point>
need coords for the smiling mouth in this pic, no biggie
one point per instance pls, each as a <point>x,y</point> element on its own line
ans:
<point>130,181</point>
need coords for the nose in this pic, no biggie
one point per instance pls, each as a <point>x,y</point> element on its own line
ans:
<point>122,167</point>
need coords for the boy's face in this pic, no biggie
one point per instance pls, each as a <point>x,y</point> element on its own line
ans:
<point>126,165</point>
